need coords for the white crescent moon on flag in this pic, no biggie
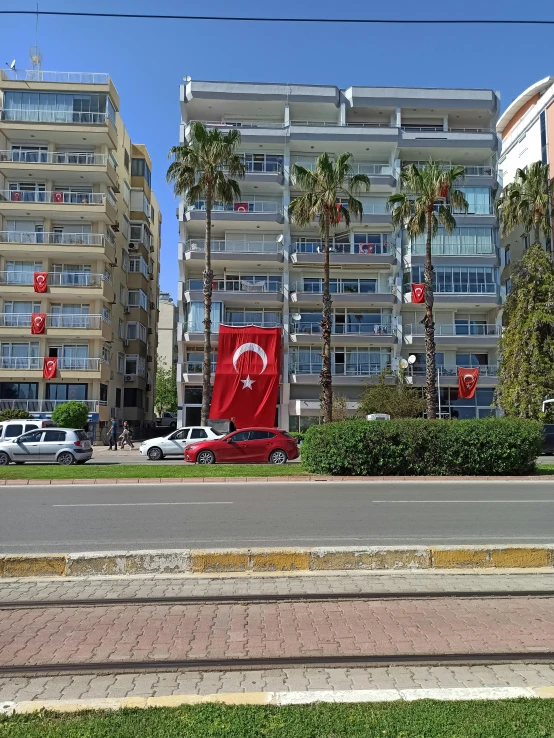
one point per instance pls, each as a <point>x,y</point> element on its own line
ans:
<point>244,348</point>
<point>469,378</point>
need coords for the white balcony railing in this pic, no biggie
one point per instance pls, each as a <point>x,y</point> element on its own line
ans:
<point>235,247</point>
<point>353,369</point>
<point>365,249</point>
<point>46,406</point>
<point>339,287</point>
<point>87,158</point>
<point>470,171</point>
<point>239,123</point>
<point>82,322</point>
<point>65,239</point>
<point>243,207</point>
<point>259,284</point>
<point>468,289</point>
<point>46,115</point>
<point>195,367</point>
<point>479,247</point>
<point>365,329</point>
<point>38,75</point>
<point>57,197</point>
<point>451,370</point>
<point>55,279</point>
<point>36,363</point>
<point>473,330</point>
<point>357,167</point>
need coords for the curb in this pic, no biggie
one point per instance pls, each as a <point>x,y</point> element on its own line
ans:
<point>256,560</point>
<point>281,699</point>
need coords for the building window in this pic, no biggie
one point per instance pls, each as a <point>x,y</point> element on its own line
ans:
<point>125,227</point>
<point>52,107</point>
<point>132,397</point>
<point>139,168</point>
<point>508,286</point>
<point>18,390</point>
<point>544,150</point>
<point>104,393</point>
<point>120,363</point>
<point>122,295</point>
<point>138,264</point>
<point>106,354</point>
<point>138,298</point>
<point>118,397</point>
<point>136,331</point>
<point>125,260</point>
<point>126,192</point>
<point>66,391</point>
<point>126,159</point>
<point>507,252</point>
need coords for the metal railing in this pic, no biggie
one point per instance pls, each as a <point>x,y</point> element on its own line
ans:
<point>339,287</point>
<point>236,247</point>
<point>57,197</point>
<point>53,157</point>
<point>355,369</point>
<point>366,329</point>
<point>262,284</point>
<point>23,320</point>
<point>485,370</point>
<point>365,249</point>
<point>46,406</point>
<point>452,249</point>
<point>361,124</point>
<point>315,123</point>
<point>440,129</point>
<point>470,171</point>
<point>46,115</point>
<point>239,124</point>
<point>265,323</point>
<point>196,367</point>
<point>471,330</point>
<point>260,167</point>
<point>243,207</point>
<point>55,279</point>
<point>357,167</point>
<point>37,362</point>
<point>38,75</point>
<point>474,289</point>
<point>66,239</point>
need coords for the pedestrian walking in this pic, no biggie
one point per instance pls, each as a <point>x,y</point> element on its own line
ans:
<point>112,434</point>
<point>125,436</point>
<point>232,426</point>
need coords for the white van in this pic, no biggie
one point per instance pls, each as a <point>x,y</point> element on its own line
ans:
<point>14,428</point>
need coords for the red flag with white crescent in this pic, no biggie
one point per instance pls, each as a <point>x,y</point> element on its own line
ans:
<point>50,368</point>
<point>418,293</point>
<point>40,280</point>
<point>246,383</point>
<point>467,382</point>
<point>38,323</point>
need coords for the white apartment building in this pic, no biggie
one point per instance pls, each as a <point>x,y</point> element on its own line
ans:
<point>269,272</point>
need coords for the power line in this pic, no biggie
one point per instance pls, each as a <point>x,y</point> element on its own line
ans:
<point>238,19</point>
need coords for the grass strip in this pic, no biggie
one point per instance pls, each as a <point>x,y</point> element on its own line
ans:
<point>425,719</point>
<point>147,471</point>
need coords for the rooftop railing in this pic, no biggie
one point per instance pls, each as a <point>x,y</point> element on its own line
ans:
<point>38,75</point>
<point>46,115</point>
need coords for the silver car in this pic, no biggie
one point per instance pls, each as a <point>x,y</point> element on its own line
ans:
<point>62,445</point>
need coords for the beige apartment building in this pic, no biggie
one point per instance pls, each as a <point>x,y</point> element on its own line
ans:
<point>167,330</point>
<point>79,248</point>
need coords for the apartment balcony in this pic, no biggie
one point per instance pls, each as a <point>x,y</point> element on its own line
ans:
<point>59,204</point>
<point>478,253</point>
<point>192,371</point>
<point>58,165</point>
<point>262,292</point>
<point>79,247</point>
<point>251,131</point>
<point>488,375</point>
<point>268,173</point>
<point>477,295</point>
<point>370,254</point>
<point>475,175</point>
<point>355,373</point>
<point>14,325</point>
<point>344,292</point>
<point>69,285</point>
<point>195,333</point>
<point>47,406</point>
<point>224,251</point>
<point>378,334</point>
<point>30,368</point>
<point>463,336</point>
<point>435,137</point>
<point>333,132</point>
<point>380,175</point>
<point>250,210</point>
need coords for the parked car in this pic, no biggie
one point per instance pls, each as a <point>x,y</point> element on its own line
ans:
<point>173,444</point>
<point>260,445</point>
<point>548,439</point>
<point>62,445</point>
<point>166,420</point>
<point>15,428</point>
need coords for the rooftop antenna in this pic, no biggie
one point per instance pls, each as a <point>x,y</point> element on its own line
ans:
<point>35,54</point>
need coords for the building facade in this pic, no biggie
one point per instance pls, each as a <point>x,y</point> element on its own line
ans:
<point>527,132</point>
<point>269,272</point>
<point>76,208</point>
<point>167,330</point>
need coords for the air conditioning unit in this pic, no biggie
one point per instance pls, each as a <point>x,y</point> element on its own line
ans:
<point>133,247</point>
<point>126,309</point>
<point>128,377</point>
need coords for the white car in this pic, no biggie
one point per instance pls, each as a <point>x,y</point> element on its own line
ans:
<point>174,443</point>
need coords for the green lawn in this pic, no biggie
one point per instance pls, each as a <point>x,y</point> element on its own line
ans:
<point>147,471</point>
<point>425,719</point>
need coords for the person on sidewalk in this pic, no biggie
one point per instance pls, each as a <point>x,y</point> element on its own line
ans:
<point>232,426</point>
<point>112,434</point>
<point>125,436</point>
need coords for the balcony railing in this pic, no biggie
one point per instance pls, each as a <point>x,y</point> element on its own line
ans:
<point>66,239</point>
<point>46,406</point>
<point>485,370</point>
<point>471,289</point>
<point>83,322</point>
<point>262,284</point>
<point>53,157</point>
<point>58,197</point>
<point>472,330</point>
<point>265,323</point>
<point>357,167</point>
<point>366,249</point>
<point>195,367</point>
<point>46,115</point>
<point>339,287</point>
<point>440,129</point>
<point>455,249</point>
<point>356,369</point>
<point>365,329</point>
<point>470,171</point>
<point>264,167</point>
<point>55,279</point>
<point>38,75</point>
<point>244,207</point>
<point>36,363</point>
<point>240,124</point>
<point>236,247</point>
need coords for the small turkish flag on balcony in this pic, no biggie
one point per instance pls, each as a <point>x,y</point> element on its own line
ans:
<point>241,207</point>
<point>467,382</point>
<point>38,323</point>
<point>50,367</point>
<point>16,196</point>
<point>418,293</point>
<point>40,281</point>
<point>58,196</point>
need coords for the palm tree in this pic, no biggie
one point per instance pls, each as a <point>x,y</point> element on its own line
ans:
<point>204,170</point>
<point>324,188</point>
<point>526,202</point>
<point>427,198</point>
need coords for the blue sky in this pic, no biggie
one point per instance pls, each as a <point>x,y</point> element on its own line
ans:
<point>147,59</point>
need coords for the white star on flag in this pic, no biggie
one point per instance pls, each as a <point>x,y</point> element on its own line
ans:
<point>247,383</point>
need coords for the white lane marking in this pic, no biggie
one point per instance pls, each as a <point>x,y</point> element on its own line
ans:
<point>138,504</point>
<point>403,502</point>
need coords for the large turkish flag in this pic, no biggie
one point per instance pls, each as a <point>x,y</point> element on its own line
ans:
<point>246,382</point>
<point>40,280</point>
<point>38,323</point>
<point>467,382</point>
<point>49,368</point>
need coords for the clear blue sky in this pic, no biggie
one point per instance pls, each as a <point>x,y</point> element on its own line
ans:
<point>147,59</point>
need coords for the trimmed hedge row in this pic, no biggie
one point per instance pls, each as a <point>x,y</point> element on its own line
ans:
<point>491,446</point>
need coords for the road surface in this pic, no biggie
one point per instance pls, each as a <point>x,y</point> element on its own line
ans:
<point>223,514</point>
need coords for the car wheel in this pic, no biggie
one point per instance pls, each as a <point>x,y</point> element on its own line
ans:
<point>205,457</point>
<point>66,459</point>
<point>278,457</point>
<point>4,459</point>
<point>155,453</point>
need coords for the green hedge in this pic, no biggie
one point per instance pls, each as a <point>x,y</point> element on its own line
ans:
<point>419,447</point>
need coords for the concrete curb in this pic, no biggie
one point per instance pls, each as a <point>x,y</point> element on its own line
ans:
<point>280,699</point>
<point>258,560</point>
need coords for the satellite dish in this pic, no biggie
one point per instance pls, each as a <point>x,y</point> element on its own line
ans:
<point>412,359</point>
<point>280,238</point>
<point>403,364</point>
<point>296,316</point>
<point>11,65</point>
<point>187,79</point>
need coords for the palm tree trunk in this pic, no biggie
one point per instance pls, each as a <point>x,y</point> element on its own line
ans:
<point>208,276</point>
<point>537,232</point>
<point>429,323</point>
<point>325,378</point>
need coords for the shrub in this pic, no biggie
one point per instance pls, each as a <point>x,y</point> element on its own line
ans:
<point>72,414</point>
<point>490,446</point>
<point>299,436</point>
<point>14,414</point>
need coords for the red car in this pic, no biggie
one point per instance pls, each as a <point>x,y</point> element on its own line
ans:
<point>260,445</point>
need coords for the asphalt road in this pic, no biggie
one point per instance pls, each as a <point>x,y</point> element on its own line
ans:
<point>89,518</point>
